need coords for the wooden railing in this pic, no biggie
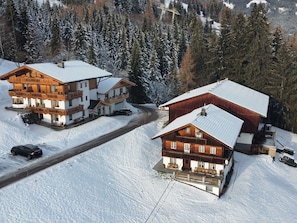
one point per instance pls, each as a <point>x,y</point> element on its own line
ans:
<point>197,156</point>
<point>197,178</point>
<point>50,96</point>
<point>54,111</point>
<point>32,80</point>
<point>117,98</point>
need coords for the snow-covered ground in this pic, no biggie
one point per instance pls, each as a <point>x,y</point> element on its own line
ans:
<point>115,182</point>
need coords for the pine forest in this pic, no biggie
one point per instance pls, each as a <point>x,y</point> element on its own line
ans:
<point>165,52</point>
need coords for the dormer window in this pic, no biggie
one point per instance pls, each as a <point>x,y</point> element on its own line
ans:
<point>198,133</point>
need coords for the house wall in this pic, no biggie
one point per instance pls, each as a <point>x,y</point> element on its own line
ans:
<point>218,167</point>
<point>251,119</point>
<point>196,138</point>
<point>85,99</point>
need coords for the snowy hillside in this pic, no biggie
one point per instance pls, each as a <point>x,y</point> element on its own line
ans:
<point>116,182</point>
<point>280,13</point>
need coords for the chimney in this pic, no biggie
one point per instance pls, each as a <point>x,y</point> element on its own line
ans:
<point>203,112</point>
<point>61,64</point>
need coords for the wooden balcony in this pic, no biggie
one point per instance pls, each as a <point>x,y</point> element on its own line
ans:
<point>198,178</point>
<point>117,98</point>
<point>196,156</point>
<point>54,111</point>
<point>50,96</point>
<point>32,80</point>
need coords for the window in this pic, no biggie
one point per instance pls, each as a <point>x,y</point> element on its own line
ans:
<point>212,166</point>
<point>200,164</point>
<point>80,85</point>
<point>121,90</point>
<point>86,84</point>
<point>213,150</point>
<point>81,99</point>
<point>198,133</point>
<point>188,130</point>
<point>201,149</point>
<point>86,98</point>
<point>173,145</point>
<point>70,102</point>
<point>187,147</point>
<point>172,160</point>
<point>70,117</point>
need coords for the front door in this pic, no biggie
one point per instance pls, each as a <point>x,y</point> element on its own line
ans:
<point>186,164</point>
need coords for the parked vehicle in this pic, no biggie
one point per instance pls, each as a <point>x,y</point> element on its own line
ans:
<point>286,150</point>
<point>287,159</point>
<point>30,151</point>
<point>123,112</point>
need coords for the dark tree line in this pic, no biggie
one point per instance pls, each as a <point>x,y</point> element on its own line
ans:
<point>164,59</point>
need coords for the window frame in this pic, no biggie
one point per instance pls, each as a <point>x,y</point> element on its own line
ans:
<point>201,149</point>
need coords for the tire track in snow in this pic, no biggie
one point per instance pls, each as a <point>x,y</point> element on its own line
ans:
<point>163,198</point>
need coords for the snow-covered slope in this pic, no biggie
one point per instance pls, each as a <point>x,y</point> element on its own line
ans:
<point>116,182</point>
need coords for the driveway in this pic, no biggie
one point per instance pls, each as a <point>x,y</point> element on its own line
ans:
<point>148,115</point>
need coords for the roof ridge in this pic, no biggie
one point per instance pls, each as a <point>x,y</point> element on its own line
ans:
<point>218,83</point>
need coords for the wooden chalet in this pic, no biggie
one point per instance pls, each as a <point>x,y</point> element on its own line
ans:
<point>62,93</point>
<point>111,96</point>
<point>198,147</point>
<point>243,102</point>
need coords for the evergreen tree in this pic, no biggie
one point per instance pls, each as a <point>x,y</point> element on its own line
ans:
<point>225,52</point>
<point>33,44</point>
<point>56,42</point>
<point>240,46</point>
<point>82,43</point>
<point>199,51</point>
<point>137,93</point>
<point>258,57</point>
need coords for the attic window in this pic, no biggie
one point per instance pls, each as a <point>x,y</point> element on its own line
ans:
<point>198,133</point>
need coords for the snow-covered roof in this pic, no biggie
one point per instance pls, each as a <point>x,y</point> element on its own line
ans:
<point>107,84</point>
<point>7,66</point>
<point>218,123</point>
<point>73,71</point>
<point>230,91</point>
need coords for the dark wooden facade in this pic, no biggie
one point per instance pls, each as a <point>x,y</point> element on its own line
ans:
<point>182,136</point>
<point>250,118</point>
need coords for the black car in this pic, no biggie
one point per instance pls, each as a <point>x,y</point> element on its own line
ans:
<point>286,150</point>
<point>30,151</point>
<point>287,159</point>
<point>123,112</point>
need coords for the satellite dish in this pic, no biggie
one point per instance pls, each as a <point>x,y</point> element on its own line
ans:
<point>226,162</point>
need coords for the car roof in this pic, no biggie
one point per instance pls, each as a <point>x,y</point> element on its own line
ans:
<point>31,146</point>
<point>288,148</point>
<point>287,155</point>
